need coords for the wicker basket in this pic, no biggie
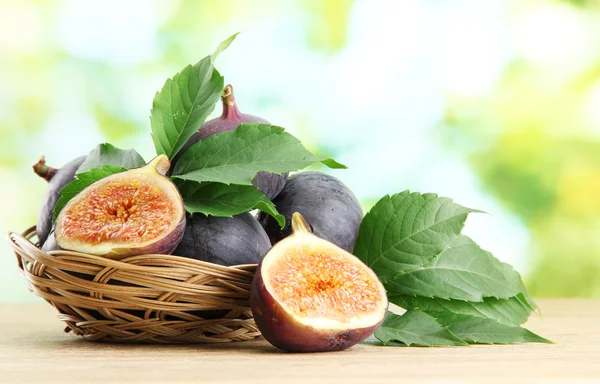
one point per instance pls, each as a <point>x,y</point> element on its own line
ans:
<point>145,298</point>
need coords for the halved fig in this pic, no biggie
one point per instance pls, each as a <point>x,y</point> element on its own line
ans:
<point>138,211</point>
<point>309,295</point>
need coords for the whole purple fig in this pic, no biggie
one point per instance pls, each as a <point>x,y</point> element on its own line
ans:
<point>57,179</point>
<point>270,184</point>
<point>224,240</point>
<point>331,208</point>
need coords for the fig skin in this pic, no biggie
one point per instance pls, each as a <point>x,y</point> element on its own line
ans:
<point>165,243</point>
<point>270,184</point>
<point>50,244</point>
<point>57,180</point>
<point>281,329</point>
<point>165,246</point>
<point>330,207</point>
<point>224,240</point>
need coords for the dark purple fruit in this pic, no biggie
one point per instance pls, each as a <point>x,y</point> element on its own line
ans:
<point>269,184</point>
<point>309,295</point>
<point>138,211</point>
<point>50,244</point>
<point>330,207</point>
<point>57,179</point>
<point>224,240</point>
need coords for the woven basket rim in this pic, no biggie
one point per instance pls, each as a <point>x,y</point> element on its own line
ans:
<point>26,235</point>
<point>95,295</point>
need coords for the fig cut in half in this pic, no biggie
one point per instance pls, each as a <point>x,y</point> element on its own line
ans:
<point>138,211</point>
<point>309,295</point>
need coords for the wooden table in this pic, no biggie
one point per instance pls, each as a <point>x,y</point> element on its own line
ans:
<point>33,348</point>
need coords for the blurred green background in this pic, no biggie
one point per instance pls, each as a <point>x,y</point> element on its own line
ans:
<point>493,103</point>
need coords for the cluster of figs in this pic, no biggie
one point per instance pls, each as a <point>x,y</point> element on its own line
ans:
<point>309,292</point>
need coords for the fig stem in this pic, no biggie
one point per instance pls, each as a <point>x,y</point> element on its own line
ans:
<point>42,170</point>
<point>299,223</point>
<point>227,96</point>
<point>230,109</point>
<point>160,163</point>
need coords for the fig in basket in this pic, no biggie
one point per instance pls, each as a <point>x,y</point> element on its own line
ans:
<point>57,179</point>
<point>309,295</point>
<point>224,240</point>
<point>270,184</point>
<point>330,207</point>
<point>138,211</point>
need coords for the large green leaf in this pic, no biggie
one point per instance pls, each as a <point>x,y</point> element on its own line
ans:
<point>184,103</point>
<point>108,154</point>
<point>413,243</point>
<point>224,200</point>
<point>416,328</point>
<point>512,311</point>
<point>81,181</point>
<point>441,277</point>
<point>462,271</point>
<point>408,230</point>
<point>235,157</point>
<point>480,330</point>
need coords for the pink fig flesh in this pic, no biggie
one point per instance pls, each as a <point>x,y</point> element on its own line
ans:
<point>308,295</point>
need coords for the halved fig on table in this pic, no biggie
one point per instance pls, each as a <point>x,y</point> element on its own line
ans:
<point>309,295</point>
<point>138,211</point>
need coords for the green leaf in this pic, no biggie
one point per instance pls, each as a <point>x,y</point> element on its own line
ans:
<point>512,311</point>
<point>81,181</point>
<point>414,245</point>
<point>462,271</point>
<point>408,230</point>
<point>108,154</point>
<point>479,330</point>
<point>514,278</point>
<point>235,157</point>
<point>416,328</point>
<point>223,46</point>
<point>184,103</point>
<point>224,200</point>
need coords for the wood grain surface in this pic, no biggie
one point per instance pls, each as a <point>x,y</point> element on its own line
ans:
<point>33,348</point>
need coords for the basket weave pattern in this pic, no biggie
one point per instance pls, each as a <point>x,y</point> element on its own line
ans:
<point>145,298</point>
